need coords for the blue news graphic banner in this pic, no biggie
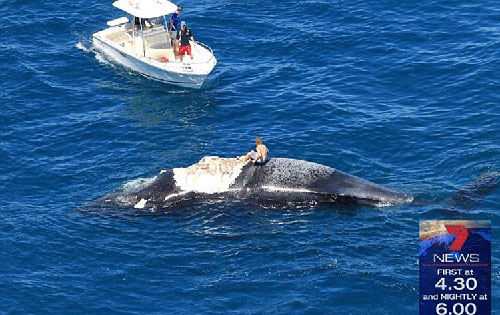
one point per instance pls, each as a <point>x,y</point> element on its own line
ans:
<point>455,267</point>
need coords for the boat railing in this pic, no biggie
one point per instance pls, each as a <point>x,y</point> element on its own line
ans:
<point>207,48</point>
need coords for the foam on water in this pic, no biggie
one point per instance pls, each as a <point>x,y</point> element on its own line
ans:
<point>137,184</point>
<point>101,58</point>
<point>82,47</point>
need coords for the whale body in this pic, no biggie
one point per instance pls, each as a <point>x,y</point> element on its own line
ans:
<point>281,181</point>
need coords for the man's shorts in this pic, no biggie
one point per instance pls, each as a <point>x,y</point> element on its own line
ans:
<point>260,162</point>
<point>185,49</point>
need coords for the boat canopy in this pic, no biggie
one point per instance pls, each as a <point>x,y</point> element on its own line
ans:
<point>146,9</point>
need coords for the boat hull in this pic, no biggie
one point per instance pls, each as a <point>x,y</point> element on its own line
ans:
<point>146,69</point>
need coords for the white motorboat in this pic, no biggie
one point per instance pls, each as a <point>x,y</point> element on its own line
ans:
<point>144,45</point>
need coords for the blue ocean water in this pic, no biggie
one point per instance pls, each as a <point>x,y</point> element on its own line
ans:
<point>404,94</point>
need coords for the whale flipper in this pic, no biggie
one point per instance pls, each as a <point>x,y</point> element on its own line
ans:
<point>473,192</point>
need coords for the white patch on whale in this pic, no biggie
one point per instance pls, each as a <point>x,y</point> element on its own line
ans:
<point>383,202</point>
<point>286,189</point>
<point>211,175</point>
<point>176,195</point>
<point>140,204</point>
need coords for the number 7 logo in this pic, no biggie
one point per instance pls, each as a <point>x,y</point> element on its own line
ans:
<point>462,235</point>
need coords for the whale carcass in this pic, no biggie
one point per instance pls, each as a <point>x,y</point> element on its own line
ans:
<point>279,181</point>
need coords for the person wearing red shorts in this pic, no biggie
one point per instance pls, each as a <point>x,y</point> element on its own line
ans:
<point>184,35</point>
<point>185,49</point>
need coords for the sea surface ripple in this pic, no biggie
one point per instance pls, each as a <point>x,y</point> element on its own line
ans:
<point>404,94</point>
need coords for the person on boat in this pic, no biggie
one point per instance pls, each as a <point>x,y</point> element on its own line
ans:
<point>259,156</point>
<point>137,23</point>
<point>174,24</point>
<point>144,23</point>
<point>184,35</point>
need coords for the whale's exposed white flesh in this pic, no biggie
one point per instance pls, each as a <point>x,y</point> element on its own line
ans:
<point>210,175</point>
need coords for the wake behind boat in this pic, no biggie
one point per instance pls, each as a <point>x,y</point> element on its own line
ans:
<point>144,45</point>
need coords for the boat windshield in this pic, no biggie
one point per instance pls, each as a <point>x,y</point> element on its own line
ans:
<point>146,25</point>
